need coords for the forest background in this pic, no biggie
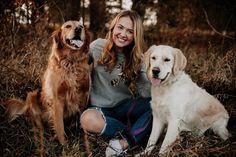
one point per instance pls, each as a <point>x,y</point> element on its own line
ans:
<point>205,30</point>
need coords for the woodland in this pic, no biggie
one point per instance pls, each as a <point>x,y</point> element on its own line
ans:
<point>205,31</point>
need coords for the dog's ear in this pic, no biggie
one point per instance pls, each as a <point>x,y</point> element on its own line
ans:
<point>56,36</point>
<point>147,56</point>
<point>180,61</point>
<point>85,47</point>
<point>81,21</point>
<point>87,39</point>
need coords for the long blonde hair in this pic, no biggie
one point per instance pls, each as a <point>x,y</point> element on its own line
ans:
<point>133,52</point>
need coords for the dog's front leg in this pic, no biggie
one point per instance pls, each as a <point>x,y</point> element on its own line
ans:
<point>58,122</point>
<point>157,128</point>
<point>171,135</point>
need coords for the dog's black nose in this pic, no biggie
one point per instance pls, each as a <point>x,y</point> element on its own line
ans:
<point>78,30</point>
<point>155,71</point>
<point>77,33</point>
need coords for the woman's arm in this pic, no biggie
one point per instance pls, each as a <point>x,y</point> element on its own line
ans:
<point>96,48</point>
<point>143,84</point>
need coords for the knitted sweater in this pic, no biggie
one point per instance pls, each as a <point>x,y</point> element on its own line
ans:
<point>109,88</point>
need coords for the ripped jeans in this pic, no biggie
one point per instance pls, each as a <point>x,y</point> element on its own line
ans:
<point>132,119</point>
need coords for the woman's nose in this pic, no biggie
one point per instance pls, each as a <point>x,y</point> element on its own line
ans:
<point>123,33</point>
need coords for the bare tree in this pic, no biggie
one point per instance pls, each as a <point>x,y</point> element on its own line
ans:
<point>97,17</point>
<point>141,5</point>
<point>63,10</point>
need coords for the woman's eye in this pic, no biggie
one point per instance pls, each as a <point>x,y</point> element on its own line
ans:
<point>120,27</point>
<point>130,31</point>
<point>68,26</point>
<point>166,59</point>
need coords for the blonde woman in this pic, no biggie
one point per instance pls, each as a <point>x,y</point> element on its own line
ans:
<point>120,92</point>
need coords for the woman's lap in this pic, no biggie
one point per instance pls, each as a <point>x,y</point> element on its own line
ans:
<point>131,119</point>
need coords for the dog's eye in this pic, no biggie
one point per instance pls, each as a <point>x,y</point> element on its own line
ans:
<point>68,26</point>
<point>153,58</point>
<point>166,59</point>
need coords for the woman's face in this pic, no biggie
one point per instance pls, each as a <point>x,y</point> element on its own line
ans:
<point>123,33</point>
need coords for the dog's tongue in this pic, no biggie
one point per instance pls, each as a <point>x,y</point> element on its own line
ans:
<point>155,81</point>
<point>78,43</point>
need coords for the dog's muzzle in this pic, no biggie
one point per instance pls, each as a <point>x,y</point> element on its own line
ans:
<point>155,72</point>
<point>155,80</point>
<point>77,34</point>
<point>76,42</point>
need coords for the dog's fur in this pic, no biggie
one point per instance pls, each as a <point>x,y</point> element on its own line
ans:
<point>65,84</point>
<point>177,101</point>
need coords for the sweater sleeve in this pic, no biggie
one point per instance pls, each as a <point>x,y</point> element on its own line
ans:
<point>96,48</point>
<point>143,84</point>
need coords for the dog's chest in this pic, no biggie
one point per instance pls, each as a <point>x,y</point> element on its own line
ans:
<point>161,109</point>
<point>77,77</point>
<point>73,70</point>
<point>68,81</point>
<point>165,104</point>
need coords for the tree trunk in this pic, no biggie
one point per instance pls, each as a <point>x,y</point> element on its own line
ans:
<point>97,17</point>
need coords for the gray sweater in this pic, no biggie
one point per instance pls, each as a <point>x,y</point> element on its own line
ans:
<point>108,88</point>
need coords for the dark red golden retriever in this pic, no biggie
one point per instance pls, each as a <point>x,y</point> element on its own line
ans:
<point>65,84</point>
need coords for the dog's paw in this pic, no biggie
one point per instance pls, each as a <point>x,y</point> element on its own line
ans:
<point>163,152</point>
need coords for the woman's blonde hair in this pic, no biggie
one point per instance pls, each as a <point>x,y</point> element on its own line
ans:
<point>133,52</point>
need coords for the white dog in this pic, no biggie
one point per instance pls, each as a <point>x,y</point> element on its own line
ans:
<point>177,101</point>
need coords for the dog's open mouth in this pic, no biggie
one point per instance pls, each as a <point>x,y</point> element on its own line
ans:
<point>157,81</point>
<point>75,43</point>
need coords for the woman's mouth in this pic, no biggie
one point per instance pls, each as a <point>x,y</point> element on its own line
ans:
<point>122,40</point>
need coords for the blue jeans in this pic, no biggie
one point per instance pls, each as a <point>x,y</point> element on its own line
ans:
<point>131,118</point>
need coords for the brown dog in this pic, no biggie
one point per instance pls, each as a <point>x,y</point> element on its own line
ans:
<point>65,84</point>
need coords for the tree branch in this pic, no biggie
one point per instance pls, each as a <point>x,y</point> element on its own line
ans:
<point>212,27</point>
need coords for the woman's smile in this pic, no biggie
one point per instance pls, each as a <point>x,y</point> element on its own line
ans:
<point>123,33</point>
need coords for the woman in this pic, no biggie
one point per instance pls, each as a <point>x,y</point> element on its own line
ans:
<point>120,92</point>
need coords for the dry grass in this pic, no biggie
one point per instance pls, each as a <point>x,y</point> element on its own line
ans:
<point>23,59</point>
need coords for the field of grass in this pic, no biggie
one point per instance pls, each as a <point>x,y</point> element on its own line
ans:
<point>23,58</point>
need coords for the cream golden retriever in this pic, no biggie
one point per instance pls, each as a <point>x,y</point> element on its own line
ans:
<point>65,84</point>
<point>178,102</point>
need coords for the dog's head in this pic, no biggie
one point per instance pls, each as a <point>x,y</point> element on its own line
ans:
<point>162,62</point>
<point>72,35</point>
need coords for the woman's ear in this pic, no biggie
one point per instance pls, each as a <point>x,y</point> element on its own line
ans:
<point>56,36</point>
<point>180,61</point>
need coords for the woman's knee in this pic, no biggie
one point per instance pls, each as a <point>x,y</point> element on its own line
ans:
<point>92,121</point>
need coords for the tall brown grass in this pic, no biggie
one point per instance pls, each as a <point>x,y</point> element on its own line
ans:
<point>23,57</point>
